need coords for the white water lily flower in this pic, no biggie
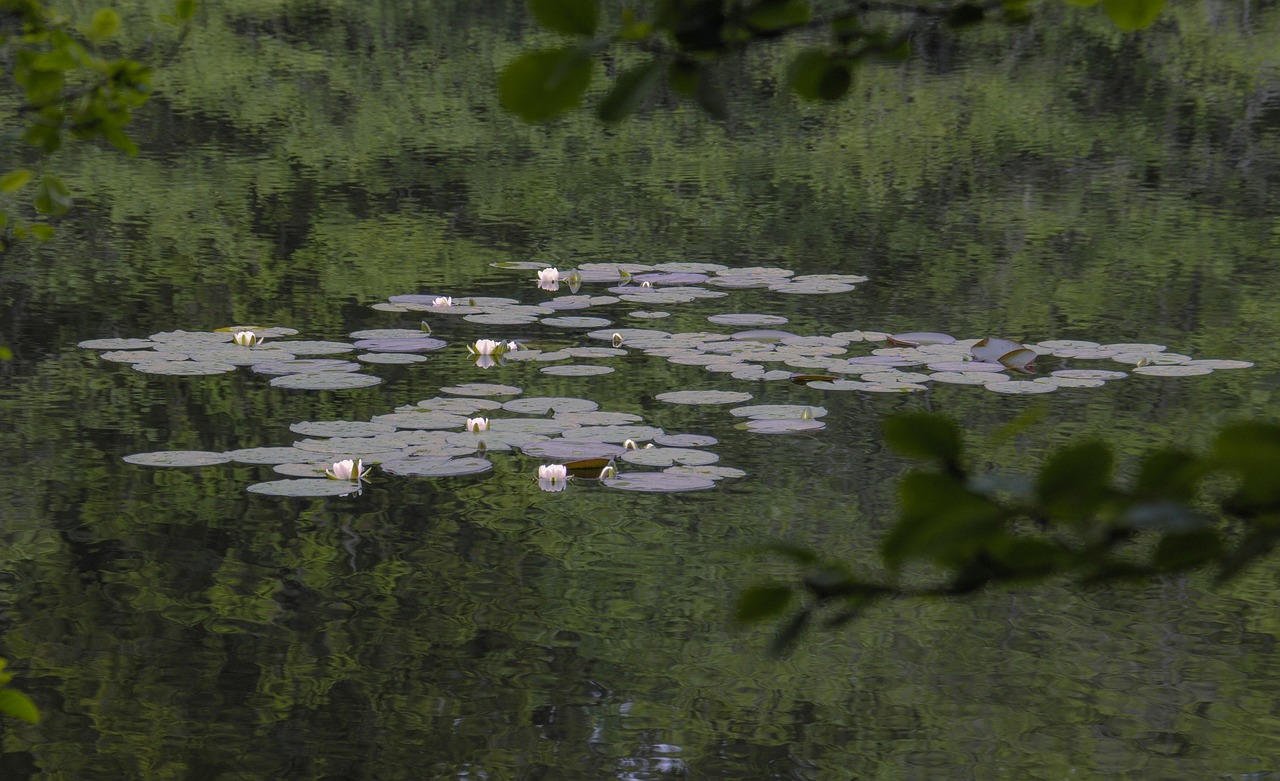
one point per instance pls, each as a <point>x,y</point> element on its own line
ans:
<point>246,338</point>
<point>486,347</point>
<point>512,345</point>
<point>548,275</point>
<point>630,444</point>
<point>553,472</point>
<point>442,301</point>
<point>347,470</point>
<point>477,424</point>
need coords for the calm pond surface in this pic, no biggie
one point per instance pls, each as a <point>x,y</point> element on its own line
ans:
<point>305,163</point>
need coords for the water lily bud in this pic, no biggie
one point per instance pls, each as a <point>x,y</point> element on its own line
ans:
<point>630,444</point>
<point>608,472</point>
<point>442,301</point>
<point>617,340</point>
<point>246,338</point>
<point>477,424</point>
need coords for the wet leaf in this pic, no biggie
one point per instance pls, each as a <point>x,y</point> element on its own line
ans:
<point>571,17</point>
<point>760,602</point>
<point>539,85</point>
<point>630,91</point>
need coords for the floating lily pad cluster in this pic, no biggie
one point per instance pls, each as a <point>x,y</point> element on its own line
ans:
<point>290,363</point>
<point>432,439</point>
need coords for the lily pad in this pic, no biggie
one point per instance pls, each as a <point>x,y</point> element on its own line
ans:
<point>839,385</point>
<point>340,428</point>
<point>1219,363</point>
<point>642,315</point>
<point>1089,374</point>
<point>783,426</point>
<point>178,458</point>
<point>669,456</point>
<point>991,349</point>
<point>314,347</point>
<point>420,344</point>
<point>389,333</point>
<point>458,406</point>
<point>542,405</point>
<point>577,370</point>
<point>1021,387</point>
<point>967,378</point>
<point>183,368</point>
<point>576,322</point>
<point>711,472</point>
<point>778,411</point>
<point>305,366</point>
<point>659,482</point>
<point>269,455</point>
<point>968,367</point>
<point>117,344</point>
<point>500,318</point>
<point>436,466</point>
<point>619,433</point>
<point>305,487</point>
<point>914,338</point>
<point>812,288</point>
<point>302,470</point>
<point>482,389</point>
<point>391,359</point>
<point>598,418</point>
<point>325,381</point>
<point>704,396</point>
<point>426,420</point>
<point>1173,370</point>
<point>685,440</point>
<point>572,450</point>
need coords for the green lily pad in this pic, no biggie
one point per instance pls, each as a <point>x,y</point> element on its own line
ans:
<point>436,466</point>
<point>576,322</point>
<point>659,482</point>
<point>892,387</point>
<point>577,370</point>
<point>305,366</point>
<point>537,405</point>
<point>1089,374</point>
<point>140,356</point>
<point>782,426</point>
<point>619,433</point>
<point>389,333</point>
<point>340,428</point>
<point>669,456</point>
<point>325,381</point>
<point>746,319</point>
<point>1173,370</point>
<point>178,458</point>
<point>778,411</point>
<point>1151,358</point>
<point>458,406</point>
<point>1070,382</point>
<point>711,472</point>
<point>305,487</point>
<point>315,347</point>
<point>548,426</point>
<point>302,470</point>
<point>572,450</point>
<point>208,337</point>
<point>839,385</point>
<point>967,378</point>
<point>1021,387</point>
<point>425,420</point>
<point>598,418</point>
<point>704,396</point>
<point>117,344</point>
<point>482,389</point>
<point>1219,363</point>
<point>183,368</point>
<point>813,288</point>
<point>643,315</point>
<point>500,318</point>
<point>269,455</point>
<point>391,359</point>
<point>1068,344</point>
<point>685,440</point>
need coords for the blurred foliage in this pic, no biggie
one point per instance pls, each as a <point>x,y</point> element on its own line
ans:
<point>685,42</point>
<point>14,702</point>
<point>961,531</point>
<point>68,88</point>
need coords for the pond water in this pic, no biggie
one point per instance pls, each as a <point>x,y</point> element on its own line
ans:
<point>308,166</point>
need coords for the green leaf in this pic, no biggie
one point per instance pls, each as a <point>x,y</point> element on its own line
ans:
<point>788,633</point>
<point>1074,482</point>
<point>921,435</point>
<point>41,231</point>
<point>1257,543</point>
<point>1177,552</point>
<point>760,602</point>
<point>629,91</point>
<point>682,77</point>
<point>941,520</point>
<point>15,703</point>
<point>1029,557</point>
<point>184,10</point>
<point>770,15</point>
<point>105,24</point>
<point>965,15</point>
<point>571,17</point>
<point>1132,15</point>
<point>5,353</point>
<point>1252,450</point>
<point>709,95</point>
<point>1168,474</point>
<point>539,85</point>
<point>52,196</point>
<point>16,179</point>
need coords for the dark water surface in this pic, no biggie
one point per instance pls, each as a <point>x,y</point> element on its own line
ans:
<point>307,161</point>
